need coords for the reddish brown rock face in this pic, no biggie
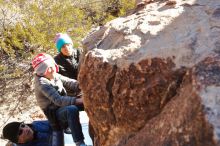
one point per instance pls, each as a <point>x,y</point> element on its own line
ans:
<point>129,98</point>
<point>152,78</point>
<point>182,121</point>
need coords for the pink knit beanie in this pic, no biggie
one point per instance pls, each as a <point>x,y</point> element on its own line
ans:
<point>41,63</point>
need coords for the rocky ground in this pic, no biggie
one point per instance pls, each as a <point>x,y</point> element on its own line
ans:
<point>17,103</point>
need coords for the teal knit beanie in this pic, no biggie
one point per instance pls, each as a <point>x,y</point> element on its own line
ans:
<point>61,39</point>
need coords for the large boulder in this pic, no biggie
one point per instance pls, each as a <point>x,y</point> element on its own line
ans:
<point>153,78</point>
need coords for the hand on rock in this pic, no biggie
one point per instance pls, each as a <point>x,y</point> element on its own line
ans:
<point>79,101</point>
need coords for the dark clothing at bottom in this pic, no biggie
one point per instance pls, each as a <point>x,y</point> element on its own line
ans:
<point>68,116</point>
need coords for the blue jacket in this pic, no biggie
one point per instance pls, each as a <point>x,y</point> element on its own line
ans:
<point>43,135</point>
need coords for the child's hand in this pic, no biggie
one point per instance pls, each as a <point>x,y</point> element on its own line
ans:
<point>79,95</point>
<point>79,101</point>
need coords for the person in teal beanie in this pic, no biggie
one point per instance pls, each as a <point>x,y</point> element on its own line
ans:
<point>68,61</point>
<point>62,39</point>
<point>68,58</point>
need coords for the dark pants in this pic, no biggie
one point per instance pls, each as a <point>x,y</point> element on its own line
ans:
<point>68,116</point>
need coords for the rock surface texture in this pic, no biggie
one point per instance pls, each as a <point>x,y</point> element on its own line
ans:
<point>153,78</point>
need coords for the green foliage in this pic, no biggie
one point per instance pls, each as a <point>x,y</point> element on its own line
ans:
<point>126,5</point>
<point>40,20</point>
<point>2,68</point>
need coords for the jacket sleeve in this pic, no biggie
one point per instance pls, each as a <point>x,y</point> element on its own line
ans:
<point>70,84</point>
<point>60,62</point>
<point>52,94</point>
<point>35,144</point>
<point>43,126</point>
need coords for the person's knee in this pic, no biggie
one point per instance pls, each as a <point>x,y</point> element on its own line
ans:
<point>72,110</point>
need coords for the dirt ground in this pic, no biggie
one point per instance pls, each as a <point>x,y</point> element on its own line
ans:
<point>17,103</point>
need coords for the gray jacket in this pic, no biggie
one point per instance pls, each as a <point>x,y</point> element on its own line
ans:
<point>48,92</point>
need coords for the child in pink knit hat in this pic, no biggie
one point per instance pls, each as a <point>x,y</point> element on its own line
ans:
<point>61,110</point>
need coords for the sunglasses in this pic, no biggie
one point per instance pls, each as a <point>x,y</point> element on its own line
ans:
<point>20,131</point>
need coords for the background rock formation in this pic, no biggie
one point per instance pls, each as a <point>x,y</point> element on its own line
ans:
<point>152,78</point>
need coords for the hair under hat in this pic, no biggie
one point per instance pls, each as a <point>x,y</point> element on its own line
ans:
<point>41,63</point>
<point>61,39</point>
<point>10,131</point>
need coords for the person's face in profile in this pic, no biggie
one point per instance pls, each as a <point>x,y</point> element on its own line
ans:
<point>50,72</point>
<point>25,134</point>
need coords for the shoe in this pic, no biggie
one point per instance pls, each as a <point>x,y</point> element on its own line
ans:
<point>81,143</point>
<point>68,131</point>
